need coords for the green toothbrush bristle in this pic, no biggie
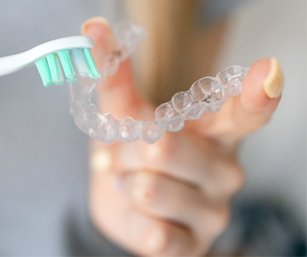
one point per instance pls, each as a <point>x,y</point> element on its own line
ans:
<point>57,68</point>
<point>67,66</point>
<point>43,69</point>
<point>92,68</point>
<point>84,62</point>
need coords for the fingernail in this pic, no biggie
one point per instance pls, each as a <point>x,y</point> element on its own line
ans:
<point>274,82</point>
<point>139,194</point>
<point>135,188</point>
<point>148,233</point>
<point>88,24</point>
<point>140,191</point>
<point>156,240</point>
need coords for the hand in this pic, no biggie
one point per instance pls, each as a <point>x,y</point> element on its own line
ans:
<point>172,198</point>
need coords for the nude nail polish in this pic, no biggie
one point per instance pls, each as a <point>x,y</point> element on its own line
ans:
<point>273,84</point>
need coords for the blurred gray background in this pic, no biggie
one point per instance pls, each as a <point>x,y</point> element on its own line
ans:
<point>275,157</point>
<point>43,156</point>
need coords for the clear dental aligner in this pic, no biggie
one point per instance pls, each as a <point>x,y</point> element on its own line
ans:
<point>205,95</point>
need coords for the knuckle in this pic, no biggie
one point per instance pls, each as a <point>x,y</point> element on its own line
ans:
<point>163,150</point>
<point>152,190</point>
<point>216,221</point>
<point>148,188</point>
<point>221,221</point>
<point>236,180</point>
<point>158,238</point>
<point>173,240</point>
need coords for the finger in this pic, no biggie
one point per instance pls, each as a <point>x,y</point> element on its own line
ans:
<point>248,112</point>
<point>149,236</point>
<point>99,30</point>
<point>135,231</point>
<point>172,200</point>
<point>117,94</point>
<point>205,166</point>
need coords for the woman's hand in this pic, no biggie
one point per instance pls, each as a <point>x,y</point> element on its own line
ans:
<point>172,198</point>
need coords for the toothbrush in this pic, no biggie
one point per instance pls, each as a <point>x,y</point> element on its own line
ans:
<point>56,60</point>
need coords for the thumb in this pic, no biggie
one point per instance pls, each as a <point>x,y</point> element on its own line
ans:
<point>117,94</point>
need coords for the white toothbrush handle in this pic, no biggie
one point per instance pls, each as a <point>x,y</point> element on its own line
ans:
<point>10,64</point>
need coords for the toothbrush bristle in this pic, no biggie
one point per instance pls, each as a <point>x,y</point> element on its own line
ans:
<point>79,62</point>
<point>58,68</point>
<point>44,72</point>
<point>92,68</point>
<point>67,66</point>
<point>55,69</point>
<point>85,64</point>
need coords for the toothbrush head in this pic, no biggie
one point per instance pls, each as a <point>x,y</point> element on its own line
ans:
<point>58,61</point>
<point>63,66</point>
<point>63,61</point>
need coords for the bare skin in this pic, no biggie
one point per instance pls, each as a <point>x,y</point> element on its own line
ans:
<point>172,198</point>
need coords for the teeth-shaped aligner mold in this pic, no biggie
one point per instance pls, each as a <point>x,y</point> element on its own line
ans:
<point>209,92</point>
<point>128,130</point>
<point>128,36</point>
<point>151,131</point>
<point>166,114</point>
<point>205,95</point>
<point>231,79</point>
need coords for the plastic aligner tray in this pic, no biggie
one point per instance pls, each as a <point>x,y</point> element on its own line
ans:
<point>205,95</point>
